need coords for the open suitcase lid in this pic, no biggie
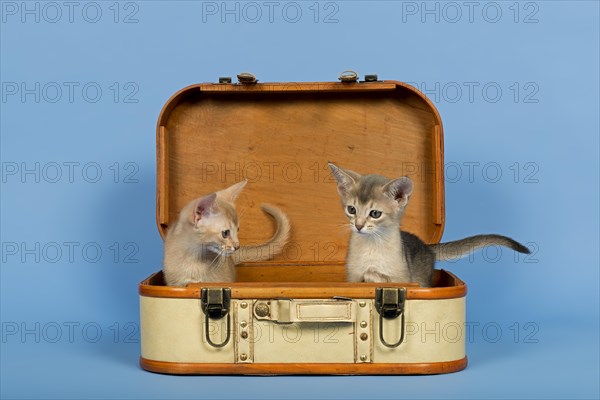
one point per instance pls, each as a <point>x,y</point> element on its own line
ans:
<point>279,136</point>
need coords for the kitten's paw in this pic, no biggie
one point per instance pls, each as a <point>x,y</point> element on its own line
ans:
<point>377,277</point>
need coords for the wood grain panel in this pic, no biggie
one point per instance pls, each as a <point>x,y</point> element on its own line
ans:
<point>280,137</point>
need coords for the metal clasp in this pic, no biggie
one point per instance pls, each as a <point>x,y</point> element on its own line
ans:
<point>389,303</point>
<point>215,304</point>
<point>247,78</point>
<point>371,78</point>
<point>348,76</point>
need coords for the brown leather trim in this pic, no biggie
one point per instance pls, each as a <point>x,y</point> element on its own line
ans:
<point>162,187</point>
<point>448,287</point>
<point>161,153</point>
<point>294,87</point>
<point>438,156</point>
<point>176,368</point>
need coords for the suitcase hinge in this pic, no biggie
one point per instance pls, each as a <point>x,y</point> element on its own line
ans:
<point>215,304</point>
<point>389,303</point>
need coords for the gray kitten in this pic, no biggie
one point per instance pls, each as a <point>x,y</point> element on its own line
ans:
<point>379,251</point>
<point>203,246</point>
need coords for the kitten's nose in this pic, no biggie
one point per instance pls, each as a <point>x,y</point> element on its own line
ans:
<point>236,245</point>
<point>359,226</point>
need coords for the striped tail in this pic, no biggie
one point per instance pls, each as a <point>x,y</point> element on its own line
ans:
<point>460,248</point>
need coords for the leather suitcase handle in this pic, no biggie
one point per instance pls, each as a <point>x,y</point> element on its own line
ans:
<point>288,311</point>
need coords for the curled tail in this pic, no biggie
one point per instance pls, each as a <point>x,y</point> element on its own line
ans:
<point>459,248</point>
<point>274,246</point>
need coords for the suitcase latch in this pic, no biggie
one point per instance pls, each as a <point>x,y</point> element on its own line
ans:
<point>389,303</point>
<point>215,304</point>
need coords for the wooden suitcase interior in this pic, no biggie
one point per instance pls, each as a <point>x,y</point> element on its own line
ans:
<point>279,136</point>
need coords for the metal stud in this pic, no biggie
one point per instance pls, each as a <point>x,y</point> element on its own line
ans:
<point>364,336</point>
<point>362,303</point>
<point>243,356</point>
<point>262,310</point>
<point>363,324</point>
<point>363,357</point>
<point>243,304</point>
<point>244,335</point>
<point>243,324</point>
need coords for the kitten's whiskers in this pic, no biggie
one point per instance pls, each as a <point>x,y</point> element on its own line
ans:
<point>217,257</point>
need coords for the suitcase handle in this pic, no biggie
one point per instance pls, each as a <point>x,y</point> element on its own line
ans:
<point>287,311</point>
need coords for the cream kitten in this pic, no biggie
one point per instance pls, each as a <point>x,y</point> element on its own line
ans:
<point>379,251</point>
<point>203,245</point>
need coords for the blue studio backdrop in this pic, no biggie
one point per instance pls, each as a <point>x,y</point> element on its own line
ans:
<point>83,82</point>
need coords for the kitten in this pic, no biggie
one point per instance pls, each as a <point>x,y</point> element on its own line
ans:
<point>203,246</point>
<point>378,250</point>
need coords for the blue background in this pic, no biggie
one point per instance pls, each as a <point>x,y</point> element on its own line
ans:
<point>546,306</point>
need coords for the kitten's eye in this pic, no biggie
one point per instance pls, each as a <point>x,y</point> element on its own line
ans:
<point>225,234</point>
<point>351,210</point>
<point>375,214</point>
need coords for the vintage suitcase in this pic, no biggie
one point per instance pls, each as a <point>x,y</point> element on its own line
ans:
<point>295,314</point>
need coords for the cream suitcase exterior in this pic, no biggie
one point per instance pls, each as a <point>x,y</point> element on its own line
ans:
<point>296,314</point>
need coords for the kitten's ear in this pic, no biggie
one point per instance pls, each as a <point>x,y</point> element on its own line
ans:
<point>399,190</point>
<point>203,207</point>
<point>345,178</point>
<point>232,192</point>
